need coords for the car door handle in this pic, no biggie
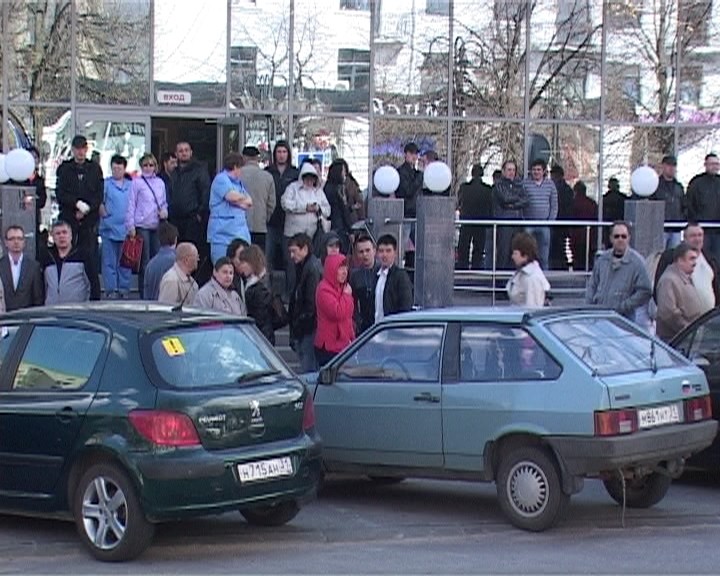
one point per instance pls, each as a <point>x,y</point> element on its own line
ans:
<point>426,397</point>
<point>66,415</point>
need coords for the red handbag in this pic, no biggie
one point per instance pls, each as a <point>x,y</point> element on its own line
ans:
<point>132,253</point>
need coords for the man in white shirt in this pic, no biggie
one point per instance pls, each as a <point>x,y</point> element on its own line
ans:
<point>393,289</point>
<point>21,277</point>
<point>706,276</point>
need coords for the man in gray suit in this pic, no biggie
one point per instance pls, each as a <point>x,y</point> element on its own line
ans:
<point>21,276</point>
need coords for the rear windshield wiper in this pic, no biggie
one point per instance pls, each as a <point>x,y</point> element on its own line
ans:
<point>256,375</point>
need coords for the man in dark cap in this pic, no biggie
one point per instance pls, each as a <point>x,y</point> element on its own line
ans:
<point>671,192</point>
<point>79,192</point>
<point>261,186</point>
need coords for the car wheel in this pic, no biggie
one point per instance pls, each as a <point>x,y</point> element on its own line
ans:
<point>271,515</point>
<point>386,480</point>
<point>529,490</point>
<point>108,515</point>
<point>642,492</point>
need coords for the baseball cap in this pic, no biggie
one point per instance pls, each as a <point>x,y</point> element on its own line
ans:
<point>79,142</point>
<point>670,160</point>
<point>332,239</point>
<point>250,151</point>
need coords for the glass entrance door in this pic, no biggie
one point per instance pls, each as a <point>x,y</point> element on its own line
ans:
<point>110,133</point>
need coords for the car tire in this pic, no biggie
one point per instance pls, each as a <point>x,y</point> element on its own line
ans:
<point>386,480</point>
<point>529,489</point>
<point>641,492</point>
<point>272,514</point>
<point>108,515</point>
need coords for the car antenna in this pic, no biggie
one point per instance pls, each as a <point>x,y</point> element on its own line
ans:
<point>179,307</point>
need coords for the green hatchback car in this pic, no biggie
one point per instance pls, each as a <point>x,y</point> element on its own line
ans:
<point>123,415</point>
<point>534,401</point>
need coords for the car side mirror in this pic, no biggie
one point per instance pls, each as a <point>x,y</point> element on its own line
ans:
<point>327,375</point>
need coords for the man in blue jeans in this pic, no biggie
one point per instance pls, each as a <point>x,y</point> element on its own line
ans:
<point>542,205</point>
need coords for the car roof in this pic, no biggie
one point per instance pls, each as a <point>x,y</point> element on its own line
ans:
<point>138,314</point>
<point>504,314</point>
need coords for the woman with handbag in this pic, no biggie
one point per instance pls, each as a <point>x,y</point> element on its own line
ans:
<point>112,211</point>
<point>147,206</point>
<point>306,208</point>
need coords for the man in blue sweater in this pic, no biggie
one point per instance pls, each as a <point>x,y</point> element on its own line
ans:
<point>162,261</point>
<point>542,205</point>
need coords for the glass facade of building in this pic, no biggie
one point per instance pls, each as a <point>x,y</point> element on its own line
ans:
<point>598,86</point>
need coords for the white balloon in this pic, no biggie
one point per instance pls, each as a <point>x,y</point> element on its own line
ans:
<point>437,177</point>
<point>20,164</point>
<point>386,180</point>
<point>3,173</point>
<point>644,181</point>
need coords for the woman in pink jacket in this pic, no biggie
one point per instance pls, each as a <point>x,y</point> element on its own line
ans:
<point>335,307</point>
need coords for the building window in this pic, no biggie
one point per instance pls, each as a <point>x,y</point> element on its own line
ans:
<point>243,63</point>
<point>354,68</point>
<point>690,85</point>
<point>695,17</point>
<point>624,14</point>
<point>354,4</point>
<point>438,7</point>
<point>434,72</point>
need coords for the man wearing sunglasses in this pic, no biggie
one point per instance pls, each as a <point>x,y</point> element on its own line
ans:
<point>620,280</point>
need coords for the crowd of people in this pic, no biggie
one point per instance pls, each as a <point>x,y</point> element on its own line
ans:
<point>339,282</point>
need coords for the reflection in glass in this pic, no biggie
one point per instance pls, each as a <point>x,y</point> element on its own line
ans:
<point>40,43</point>
<point>331,58</point>
<point>107,138</point>
<point>489,58</point>
<point>487,143</point>
<point>390,136</point>
<point>260,55</point>
<point>114,69</point>
<point>329,138</point>
<point>264,132</point>
<point>190,52</point>
<point>693,145</point>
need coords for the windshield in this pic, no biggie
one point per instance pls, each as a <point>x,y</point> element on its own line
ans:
<point>214,355</point>
<point>609,345</point>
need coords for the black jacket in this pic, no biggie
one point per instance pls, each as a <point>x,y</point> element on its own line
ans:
<point>566,196</point>
<point>411,183</point>
<point>509,198</point>
<point>613,206</point>
<point>398,294</point>
<point>291,174</point>
<point>475,200</point>
<point>362,282</point>
<point>31,285</point>
<point>667,258</point>
<point>190,190</point>
<point>258,301</point>
<point>79,181</point>
<point>672,193</point>
<point>703,198</point>
<point>303,318</point>
<point>340,220</point>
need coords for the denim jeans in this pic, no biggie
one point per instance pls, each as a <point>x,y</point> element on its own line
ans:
<point>305,349</point>
<point>115,277</point>
<point>151,245</point>
<point>542,237</point>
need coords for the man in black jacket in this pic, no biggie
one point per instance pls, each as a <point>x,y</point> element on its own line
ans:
<point>703,201</point>
<point>671,192</point>
<point>79,191</point>
<point>566,196</point>
<point>411,184</point>
<point>509,199</point>
<point>188,205</point>
<point>283,172</point>
<point>393,290</point>
<point>362,282</point>
<point>303,318</point>
<point>21,276</point>
<point>475,199</point>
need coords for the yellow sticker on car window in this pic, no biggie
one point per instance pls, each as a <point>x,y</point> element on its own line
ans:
<point>173,346</point>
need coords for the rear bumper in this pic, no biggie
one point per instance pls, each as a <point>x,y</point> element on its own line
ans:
<point>196,482</point>
<point>583,456</point>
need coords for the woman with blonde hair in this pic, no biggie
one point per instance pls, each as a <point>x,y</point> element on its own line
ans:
<point>147,206</point>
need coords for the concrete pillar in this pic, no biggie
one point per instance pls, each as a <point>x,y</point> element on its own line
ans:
<point>647,218</point>
<point>17,206</point>
<point>381,209</point>
<point>435,251</point>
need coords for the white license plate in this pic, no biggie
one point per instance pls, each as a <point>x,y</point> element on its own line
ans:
<point>658,416</point>
<point>265,469</point>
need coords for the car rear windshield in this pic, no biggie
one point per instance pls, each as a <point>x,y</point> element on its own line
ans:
<point>612,346</point>
<point>215,354</point>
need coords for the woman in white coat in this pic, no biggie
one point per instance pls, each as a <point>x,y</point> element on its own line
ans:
<point>528,287</point>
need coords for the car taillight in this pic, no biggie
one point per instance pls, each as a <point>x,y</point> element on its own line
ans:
<point>697,409</point>
<point>615,422</point>
<point>308,413</point>
<point>165,428</point>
